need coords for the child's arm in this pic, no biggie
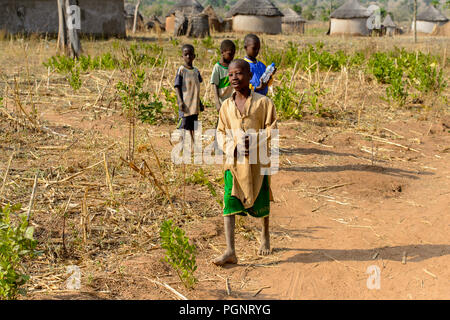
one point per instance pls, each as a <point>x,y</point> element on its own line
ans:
<point>216,97</point>
<point>200,79</point>
<point>181,105</point>
<point>178,85</point>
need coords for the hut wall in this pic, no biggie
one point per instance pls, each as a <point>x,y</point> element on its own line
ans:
<point>355,27</point>
<point>298,27</point>
<point>258,24</point>
<point>215,25</point>
<point>425,26</point>
<point>170,23</point>
<point>390,31</point>
<point>98,18</point>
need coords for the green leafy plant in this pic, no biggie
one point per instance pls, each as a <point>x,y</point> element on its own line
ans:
<point>16,244</point>
<point>402,71</point>
<point>74,78</point>
<point>179,253</point>
<point>171,100</point>
<point>287,102</point>
<point>313,98</point>
<point>208,42</point>
<point>148,113</point>
<point>136,101</point>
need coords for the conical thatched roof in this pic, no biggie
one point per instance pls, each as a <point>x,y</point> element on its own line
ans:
<point>350,10</point>
<point>432,14</point>
<point>188,7</point>
<point>290,16</point>
<point>255,8</point>
<point>387,22</point>
<point>209,10</point>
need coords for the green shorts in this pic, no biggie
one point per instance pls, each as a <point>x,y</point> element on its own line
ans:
<point>233,206</point>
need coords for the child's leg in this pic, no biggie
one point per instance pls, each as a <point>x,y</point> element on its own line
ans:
<point>230,254</point>
<point>264,249</point>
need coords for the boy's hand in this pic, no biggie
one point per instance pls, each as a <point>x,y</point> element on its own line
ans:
<point>183,107</point>
<point>246,147</point>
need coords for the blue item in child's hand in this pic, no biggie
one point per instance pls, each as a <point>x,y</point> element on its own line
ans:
<point>268,73</point>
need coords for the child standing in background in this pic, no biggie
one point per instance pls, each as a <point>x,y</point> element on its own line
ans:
<point>187,86</point>
<point>219,77</point>
<point>252,45</point>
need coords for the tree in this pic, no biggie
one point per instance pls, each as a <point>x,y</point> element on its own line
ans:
<point>435,3</point>
<point>297,8</point>
<point>69,27</point>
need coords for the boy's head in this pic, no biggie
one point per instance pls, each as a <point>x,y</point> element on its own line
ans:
<point>188,53</point>
<point>240,74</point>
<point>228,50</point>
<point>252,44</point>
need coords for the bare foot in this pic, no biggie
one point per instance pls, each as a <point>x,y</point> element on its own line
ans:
<point>264,249</point>
<point>227,257</point>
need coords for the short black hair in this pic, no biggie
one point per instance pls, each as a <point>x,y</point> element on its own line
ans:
<point>251,37</point>
<point>227,45</point>
<point>188,46</point>
<point>241,63</point>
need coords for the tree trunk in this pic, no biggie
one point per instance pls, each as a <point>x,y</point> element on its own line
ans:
<point>415,21</point>
<point>136,12</point>
<point>62,35</point>
<point>74,44</point>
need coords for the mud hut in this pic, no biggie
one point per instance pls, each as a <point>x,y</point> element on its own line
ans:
<point>259,16</point>
<point>99,18</point>
<point>156,24</point>
<point>292,22</point>
<point>186,7</point>
<point>129,17</point>
<point>216,23</point>
<point>428,18</point>
<point>349,19</point>
<point>194,25</point>
<point>442,30</point>
<point>388,26</point>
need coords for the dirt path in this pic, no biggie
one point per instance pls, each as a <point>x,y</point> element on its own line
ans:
<point>338,211</point>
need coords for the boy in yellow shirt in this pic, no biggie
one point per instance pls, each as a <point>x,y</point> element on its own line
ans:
<point>247,184</point>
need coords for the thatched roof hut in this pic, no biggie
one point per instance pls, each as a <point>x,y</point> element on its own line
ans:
<point>129,17</point>
<point>155,23</point>
<point>428,18</point>
<point>388,26</point>
<point>349,19</point>
<point>259,16</point>
<point>187,7</point>
<point>292,22</point>
<point>442,30</point>
<point>215,22</point>
<point>194,25</point>
<point>99,18</point>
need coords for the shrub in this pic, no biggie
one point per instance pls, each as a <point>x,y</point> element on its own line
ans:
<point>16,243</point>
<point>179,253</point>
<point>287,102</point>
<point>135,100</point>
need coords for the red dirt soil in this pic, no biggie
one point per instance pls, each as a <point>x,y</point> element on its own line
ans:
<point>336,213</point>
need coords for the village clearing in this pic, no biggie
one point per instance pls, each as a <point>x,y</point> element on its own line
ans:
<point>364,182</point>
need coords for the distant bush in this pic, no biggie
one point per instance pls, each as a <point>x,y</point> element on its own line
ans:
<point>402,70</point>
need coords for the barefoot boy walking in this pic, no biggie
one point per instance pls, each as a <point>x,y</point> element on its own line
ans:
<point>247,188</point>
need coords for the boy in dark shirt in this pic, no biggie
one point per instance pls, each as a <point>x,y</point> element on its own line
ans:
<point>187,86</point>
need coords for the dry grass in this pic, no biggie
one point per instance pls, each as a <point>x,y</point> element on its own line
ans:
<point>91,209</point>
